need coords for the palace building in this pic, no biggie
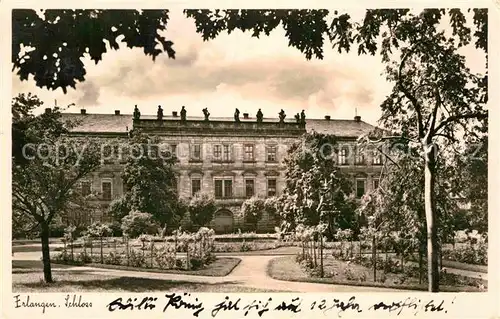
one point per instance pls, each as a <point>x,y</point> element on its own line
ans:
<point>232,158</point>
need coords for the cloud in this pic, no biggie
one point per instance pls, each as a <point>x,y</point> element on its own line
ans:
<point>90,96</point>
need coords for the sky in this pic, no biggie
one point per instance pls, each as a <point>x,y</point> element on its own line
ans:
<point>232,71</point>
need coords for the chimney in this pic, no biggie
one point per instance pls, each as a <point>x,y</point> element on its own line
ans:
<point>327,117</point>
<point>48,110</point>
<point>117,112</point>
<point>174,113</point>
<point>83,111</point>
<point>357,118</point>
<point>245,116</point>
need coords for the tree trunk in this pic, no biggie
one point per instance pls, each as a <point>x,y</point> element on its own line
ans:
<point>314,253</point>
<point>128,251</point>
<point>47,271</point>
<point>322,271</point>
<point>420,263</point>
<point>102,254</point>
<point>431,218</point>
<point>374,256</point>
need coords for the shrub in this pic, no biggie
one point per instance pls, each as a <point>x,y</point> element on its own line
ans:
<point>252,210</point>
<point>362,277</point>
<point>136,259</point>
<point>179,264</point>
<point>84,258</point>
<point>245,247</point>
<point>349,273</point>
<point>137,223</point>
<point>196,263</point>
<point>201,208</point>
<point>209,258</point>
<point>113,258</point>
<point>164,258</point>
<point>382,278</point>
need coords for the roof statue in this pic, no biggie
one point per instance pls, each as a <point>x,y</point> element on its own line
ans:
<point>282,116</point>
<point>183,113</point>
<point>137,114</point>
<point>159,114</point>
<point>237,115</point>
<point>206,113</point>
<point>260,116</point>
<point>297,118</point>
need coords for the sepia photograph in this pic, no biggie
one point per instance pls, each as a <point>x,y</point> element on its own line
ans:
<point>249,151</point>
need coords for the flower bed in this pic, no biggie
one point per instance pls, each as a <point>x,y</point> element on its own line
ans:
<point>350,273</point>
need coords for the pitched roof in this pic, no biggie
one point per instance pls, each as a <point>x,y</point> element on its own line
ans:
<point>345,128</point>
<point>111,123</point>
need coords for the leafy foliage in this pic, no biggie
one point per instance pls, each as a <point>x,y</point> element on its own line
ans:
<point>49,44</point>
<point>252,210</point>
<point>137,223</point>
<point>201,208</point>
<point>46,167</point>
<point>381,30</point>
<point>150,181</point>
<point>315,189</point>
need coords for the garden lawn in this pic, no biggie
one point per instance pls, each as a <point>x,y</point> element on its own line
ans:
<point>345,273</point>
<point>83,281</point>
<point>219,268</point>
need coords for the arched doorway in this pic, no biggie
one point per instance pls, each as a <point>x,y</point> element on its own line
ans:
<point>223,221</point>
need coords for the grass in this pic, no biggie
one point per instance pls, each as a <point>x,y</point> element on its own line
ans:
<point>219,268</point>
<point>286,268</point>
<point>71,281</point>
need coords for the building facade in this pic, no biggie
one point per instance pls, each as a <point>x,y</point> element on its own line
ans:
<point>231,158</point>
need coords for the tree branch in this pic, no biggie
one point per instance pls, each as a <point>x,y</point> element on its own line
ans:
<point>407,93</point>
<point>456,118</point>
<point>433,117</point>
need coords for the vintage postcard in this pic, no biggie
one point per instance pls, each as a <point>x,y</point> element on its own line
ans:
<point>256,160</point>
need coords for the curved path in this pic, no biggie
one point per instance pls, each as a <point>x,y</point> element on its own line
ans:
<point>251,272</point>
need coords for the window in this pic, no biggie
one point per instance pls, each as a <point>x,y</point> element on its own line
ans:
<point>343,156</point>
<point>86,188</point>
<point>106,190</point>
<point>227,152</point>
<point>249,188</point>
<point>173,149</point>
<point>196,152</point>
<point>218,152</point>
<point>223,188</point>
<point>360,157</point>
<point>195,186</point>
<point>375,183</point>
<point>222,152</point>
<point>360,188</point>
<point>271,187</point>
<point>249,155</point>
<point>228,188</point>
<point>377,158</point>
<point>271,154</point>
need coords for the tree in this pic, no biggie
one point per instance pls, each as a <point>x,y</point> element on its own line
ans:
<point>310,167</point>
<point>49,44</point>
<point>252,210</point>
<point>397,207</point>
<point>46,167</point>
<point>150,181</point>
<point>201,208</point>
